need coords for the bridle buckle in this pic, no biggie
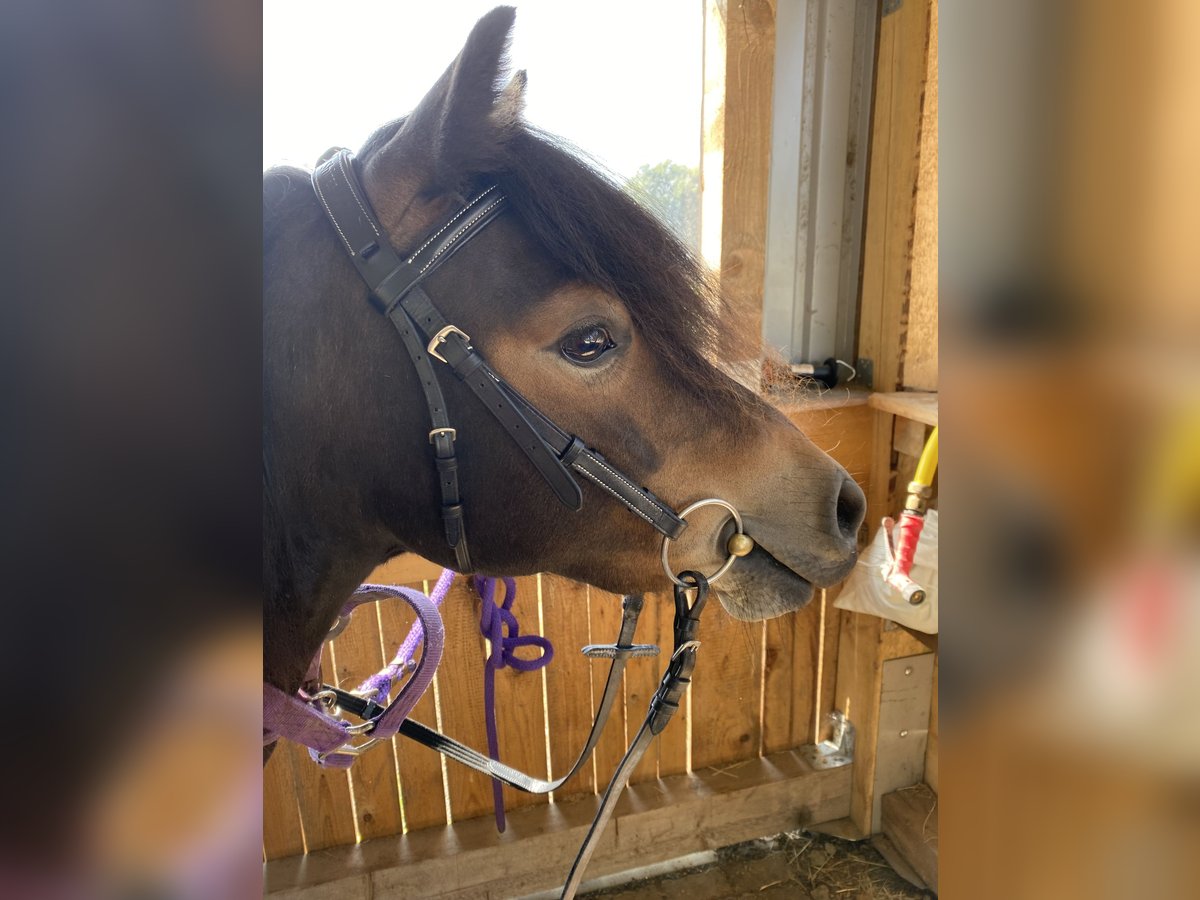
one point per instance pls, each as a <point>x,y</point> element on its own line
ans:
<point>440,338</point>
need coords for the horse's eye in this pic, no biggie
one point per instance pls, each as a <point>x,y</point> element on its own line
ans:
<point>587,345</point>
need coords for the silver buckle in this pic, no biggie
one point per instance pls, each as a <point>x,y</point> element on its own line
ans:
<point>450,431</point>
<point>440,338</point>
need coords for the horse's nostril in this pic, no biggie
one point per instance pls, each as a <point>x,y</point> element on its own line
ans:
<point>851,508</point>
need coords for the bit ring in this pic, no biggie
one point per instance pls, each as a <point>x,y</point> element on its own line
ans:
<point>737,522</point>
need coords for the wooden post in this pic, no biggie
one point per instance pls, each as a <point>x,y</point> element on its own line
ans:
<point>901,74</point>
<point>739,64</point>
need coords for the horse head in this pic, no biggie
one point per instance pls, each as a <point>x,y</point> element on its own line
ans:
<point>583,302</point>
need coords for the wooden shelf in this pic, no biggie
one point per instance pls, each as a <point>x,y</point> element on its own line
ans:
<point>805,396</point>
<point>916,405</point>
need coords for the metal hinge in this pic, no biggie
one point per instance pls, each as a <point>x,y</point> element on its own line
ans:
<point>864,372</point>
<point>835,751</point>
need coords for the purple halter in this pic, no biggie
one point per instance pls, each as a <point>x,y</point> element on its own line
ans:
<point>303,718</point>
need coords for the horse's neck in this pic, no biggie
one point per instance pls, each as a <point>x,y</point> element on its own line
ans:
<point>306,579</point>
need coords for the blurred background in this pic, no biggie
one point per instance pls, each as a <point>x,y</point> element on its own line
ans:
<point>1070,350</point>
<point>1070,365</point>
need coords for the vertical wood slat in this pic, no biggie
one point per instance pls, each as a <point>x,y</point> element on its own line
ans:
<point>323,794</point>
<point>726,690</point>
<point>565,610</point>
<point>359,653</point>
<point>745,133</point>
<point>282,835</point>
<point>419,769</point>
<point>604,613</point>
<point>900,76</point>
<point>827,701</point>
<point>641,681</point>
<point>460,682</point>
<point>520,714</point>
<point>789,680</point>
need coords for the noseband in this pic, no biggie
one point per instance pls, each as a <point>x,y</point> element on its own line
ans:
<point>397,292</point>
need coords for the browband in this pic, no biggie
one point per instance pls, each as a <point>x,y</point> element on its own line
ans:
<point>396,291</point>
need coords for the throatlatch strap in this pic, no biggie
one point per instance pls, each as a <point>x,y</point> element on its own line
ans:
<point>378,263</point>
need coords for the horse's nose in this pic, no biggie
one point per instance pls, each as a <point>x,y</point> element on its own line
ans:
<point>851,509</point>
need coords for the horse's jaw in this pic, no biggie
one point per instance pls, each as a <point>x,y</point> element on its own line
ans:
<point>761,587</point>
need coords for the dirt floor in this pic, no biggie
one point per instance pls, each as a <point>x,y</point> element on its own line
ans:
<point>798,866</point>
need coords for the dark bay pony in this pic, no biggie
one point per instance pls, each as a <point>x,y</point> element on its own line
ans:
<point>582,301</point>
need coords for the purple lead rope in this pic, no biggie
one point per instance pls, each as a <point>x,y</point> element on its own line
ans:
<point>380,684</point>
<point>493,621</point>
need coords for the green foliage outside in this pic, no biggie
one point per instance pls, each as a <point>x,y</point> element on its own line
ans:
<point>673,191</point>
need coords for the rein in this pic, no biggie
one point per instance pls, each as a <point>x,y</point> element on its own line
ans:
<point>396,291</point>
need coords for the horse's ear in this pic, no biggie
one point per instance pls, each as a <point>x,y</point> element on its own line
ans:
<point>459,129</point>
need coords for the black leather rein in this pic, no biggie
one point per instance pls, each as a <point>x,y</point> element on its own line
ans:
<point>396,291</point>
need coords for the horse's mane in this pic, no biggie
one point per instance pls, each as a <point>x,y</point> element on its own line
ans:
<point>599,234</point>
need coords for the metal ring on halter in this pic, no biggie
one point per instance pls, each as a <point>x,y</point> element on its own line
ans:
<point>338,627</point>
<point>737,522</point>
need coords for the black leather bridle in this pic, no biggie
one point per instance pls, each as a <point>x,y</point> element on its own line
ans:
<point>397,292</point>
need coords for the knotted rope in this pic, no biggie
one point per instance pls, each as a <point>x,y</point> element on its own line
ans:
<point>499,625</point>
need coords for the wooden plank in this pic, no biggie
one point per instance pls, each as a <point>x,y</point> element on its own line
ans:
<point>903,725</point>
<point>910,820</point>
<point>407,568</point>
<point>712,139</point>
<point>520,711</point>
<point>895,642</point>
<point>845,433</point>
<point>916,405</point>
<point>899,864</point>
<point>418,769</point>
<point>900,76</point>
<point>921,340</point>
<point>727,691</point>
<point>568,680</point>
<point>827,701</point>
<point>460,683</point>
<point>749,81</point>
<point>931,748</point>
<point>859,678</point>
<point>908,438</point>
<point>879,485</point>
<point>323,795</point>
<point>604,614</point>
<point>656,821</point>
<point>359,654</point>
<point>282,835</point>
<point>641,681</point>
<point>790,678</point>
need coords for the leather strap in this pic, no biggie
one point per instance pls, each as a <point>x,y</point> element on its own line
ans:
<point>372,254</point>
<point>663,705</point>
<point>620,653</point>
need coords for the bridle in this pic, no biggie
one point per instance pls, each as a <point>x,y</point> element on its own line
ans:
<point>396,291</point>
